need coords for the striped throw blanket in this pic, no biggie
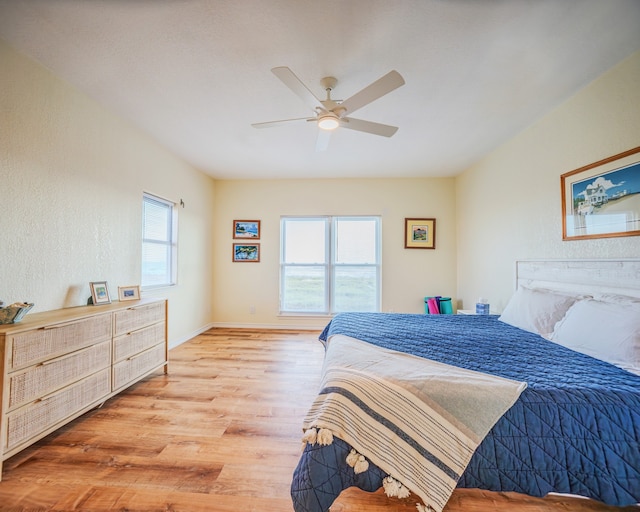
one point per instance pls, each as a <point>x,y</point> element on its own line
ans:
<point>416,419</point>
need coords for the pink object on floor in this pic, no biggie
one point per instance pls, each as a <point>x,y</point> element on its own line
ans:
<point>433,306</point>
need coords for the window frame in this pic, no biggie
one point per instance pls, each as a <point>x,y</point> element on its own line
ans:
<point>171,244</point>
<point>330,265</point>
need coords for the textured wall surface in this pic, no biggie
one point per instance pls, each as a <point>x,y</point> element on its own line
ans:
<point>509,205</point>
<point>72,177</point>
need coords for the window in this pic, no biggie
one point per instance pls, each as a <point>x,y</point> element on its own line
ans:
<point>329,264</point>
<point>158,242</point>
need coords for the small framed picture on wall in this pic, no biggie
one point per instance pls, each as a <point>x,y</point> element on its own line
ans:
<point>419,233</point>
<point>246,253</point>
<point>246,229</point>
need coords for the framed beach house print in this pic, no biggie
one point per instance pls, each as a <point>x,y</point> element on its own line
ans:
<point>602,199</point>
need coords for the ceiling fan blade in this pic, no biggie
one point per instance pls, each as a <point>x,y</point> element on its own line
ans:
<point>295,84</point>
<point>384,130</point>
<point>322,142</point>
<point>392,80</point>
<point>271,124</point>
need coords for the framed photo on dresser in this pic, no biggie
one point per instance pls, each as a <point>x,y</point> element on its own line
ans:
<point>99,292</point>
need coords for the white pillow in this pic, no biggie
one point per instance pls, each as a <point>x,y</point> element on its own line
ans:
<point>536,310</point>
<point>618,299</point>
<point>609,331</point>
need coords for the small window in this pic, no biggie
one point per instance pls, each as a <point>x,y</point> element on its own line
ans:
<point>158,242</point>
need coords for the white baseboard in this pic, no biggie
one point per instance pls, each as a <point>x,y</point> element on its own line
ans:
<point>180,341</point>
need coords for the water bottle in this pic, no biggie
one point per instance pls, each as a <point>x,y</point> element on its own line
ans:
<point>482,306</point>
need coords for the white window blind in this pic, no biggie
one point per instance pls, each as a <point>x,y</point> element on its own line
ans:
<point>158,242</point>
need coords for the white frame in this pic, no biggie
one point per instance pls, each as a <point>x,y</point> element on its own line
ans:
<point>589,276</point>
<point>173,243</point>
<point>98,300</point>
<point>128,293</point>
<point>330,264</point>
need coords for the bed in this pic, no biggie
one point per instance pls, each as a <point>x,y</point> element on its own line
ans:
<point>566,354</point>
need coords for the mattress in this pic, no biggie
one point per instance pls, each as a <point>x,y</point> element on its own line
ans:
<point>575,428</point>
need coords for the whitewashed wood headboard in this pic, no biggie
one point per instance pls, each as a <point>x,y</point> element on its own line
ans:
<point>581,276</point>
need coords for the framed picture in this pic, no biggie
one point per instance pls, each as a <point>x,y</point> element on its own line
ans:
<point>419,233</point>
<point>100,292</point>
<point>602,199</point>
<point>128,293</point>
<point>246,229</point>
<point>248,253</point>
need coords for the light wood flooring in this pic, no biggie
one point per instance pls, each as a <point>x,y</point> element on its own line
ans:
<point>221,432</point>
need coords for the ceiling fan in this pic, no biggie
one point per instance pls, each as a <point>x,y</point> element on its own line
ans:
<point>329,114</point>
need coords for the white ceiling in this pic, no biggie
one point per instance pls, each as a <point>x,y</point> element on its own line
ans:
<point>196,73</point>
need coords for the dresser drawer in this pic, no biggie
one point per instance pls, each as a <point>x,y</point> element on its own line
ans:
<point>137,317</point>
<point>35,346</point>
<point>33,419</point>
<point>134,367</point>
<point>45,378</point>
<point>138,341</point>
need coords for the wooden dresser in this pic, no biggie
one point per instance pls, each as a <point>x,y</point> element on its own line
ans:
<point>57,365</point>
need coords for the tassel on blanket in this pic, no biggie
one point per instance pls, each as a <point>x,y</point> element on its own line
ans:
<point>394,488</point>
<point>322,436</point>
<point>325,437</point>
<point>310,436</point>
<point>352,458</point>
<point>357,462</point>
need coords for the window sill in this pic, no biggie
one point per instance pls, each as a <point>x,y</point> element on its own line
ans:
<point>304,315</point>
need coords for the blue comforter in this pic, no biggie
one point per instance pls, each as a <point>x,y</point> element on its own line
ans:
<point>575,429</point>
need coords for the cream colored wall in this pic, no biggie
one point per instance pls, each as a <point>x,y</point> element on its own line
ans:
<point>72,177</point>
<point>509,205</point>
<point>407,274</point>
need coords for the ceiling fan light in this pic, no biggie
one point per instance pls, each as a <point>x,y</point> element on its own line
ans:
<point>328,122</point>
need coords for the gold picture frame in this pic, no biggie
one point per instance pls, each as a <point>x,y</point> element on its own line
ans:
<point>602,199</point>
<point>419,233</point>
